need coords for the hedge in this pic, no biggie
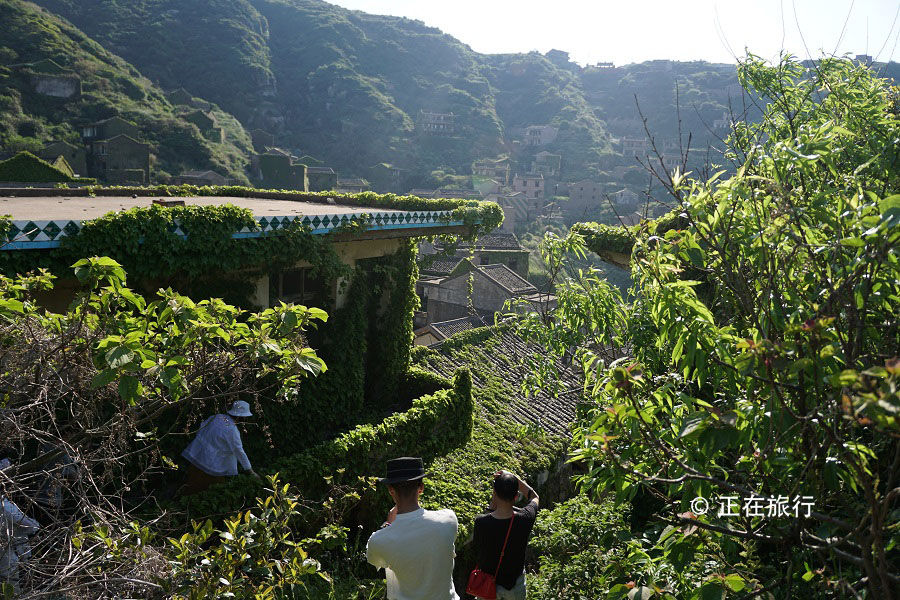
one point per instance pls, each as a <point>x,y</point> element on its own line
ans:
<point>433,426</point>
<point>602,239</point>
<point>27,168</point>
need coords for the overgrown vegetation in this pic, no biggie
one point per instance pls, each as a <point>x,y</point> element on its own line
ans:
<point>762,362</point>
<point>25,166</point>
<point>109,87</point>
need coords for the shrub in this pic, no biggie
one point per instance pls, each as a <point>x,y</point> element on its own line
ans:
<point>28,168</point>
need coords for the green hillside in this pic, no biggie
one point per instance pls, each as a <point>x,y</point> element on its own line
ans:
<point>32,37</point>
<point>216,49</point>
<point>344,86</point>
<point>349,89</point>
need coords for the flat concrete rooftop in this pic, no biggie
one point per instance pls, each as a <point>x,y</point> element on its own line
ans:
<point>42,221</point>
<point>83,208</point>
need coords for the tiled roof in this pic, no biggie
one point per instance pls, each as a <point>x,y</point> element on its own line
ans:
<point>200,174</point>
<point>497,241</point>
<point>504,356</point>
<point>448,328</point>
<point>508,279</point>
<point>327,170</point>
<point>441,265</point>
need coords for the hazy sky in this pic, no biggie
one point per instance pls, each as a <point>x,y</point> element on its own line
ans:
<point>626,31</point>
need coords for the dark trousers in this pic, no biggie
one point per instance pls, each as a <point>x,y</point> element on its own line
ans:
<point>198,480</point>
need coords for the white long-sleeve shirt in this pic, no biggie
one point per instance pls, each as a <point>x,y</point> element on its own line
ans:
<point>417,552</point>
<point>217,448</point>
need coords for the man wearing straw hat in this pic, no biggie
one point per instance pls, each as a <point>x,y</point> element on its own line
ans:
<point>215,452</point>
<point>416,547</point>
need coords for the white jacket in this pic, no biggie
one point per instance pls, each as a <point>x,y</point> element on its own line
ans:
<point>217,448</point>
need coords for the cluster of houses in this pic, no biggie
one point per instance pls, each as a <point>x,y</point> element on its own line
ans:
<point>471,287</point>
<point>111,150</point>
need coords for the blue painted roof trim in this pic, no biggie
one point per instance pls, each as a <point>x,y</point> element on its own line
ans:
<point>49,234</point>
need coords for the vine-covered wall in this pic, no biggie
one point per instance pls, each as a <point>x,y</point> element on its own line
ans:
<point>366,345</point>
<point>434,425</point>
<point>609,240</point>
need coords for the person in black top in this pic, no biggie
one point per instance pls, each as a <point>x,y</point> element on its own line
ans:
<point>491,529</point>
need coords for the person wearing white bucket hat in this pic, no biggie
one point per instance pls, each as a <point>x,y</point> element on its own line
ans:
<point>216,451</point>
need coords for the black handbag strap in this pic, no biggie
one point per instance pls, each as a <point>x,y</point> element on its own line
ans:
<point>503,549</point>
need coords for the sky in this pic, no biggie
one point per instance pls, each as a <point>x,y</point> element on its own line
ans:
<point>626,31</point>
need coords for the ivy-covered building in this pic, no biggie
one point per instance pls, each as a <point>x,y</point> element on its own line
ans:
<point>354,256</point>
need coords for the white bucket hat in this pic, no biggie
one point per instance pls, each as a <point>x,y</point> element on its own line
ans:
<point>240,409</point>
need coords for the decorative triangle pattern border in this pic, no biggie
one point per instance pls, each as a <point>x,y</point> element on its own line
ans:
<point>23,235</point>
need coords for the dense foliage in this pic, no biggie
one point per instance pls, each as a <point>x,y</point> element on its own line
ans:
<point>25,166</point>
<point>347,87</point>
<point>109,85</point>
<point>763,344</point>
<point>105,386</point>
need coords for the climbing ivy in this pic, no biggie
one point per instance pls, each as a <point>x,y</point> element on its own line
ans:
<point>144,241</point>
<point>434,425</point>
<point>603,239</point>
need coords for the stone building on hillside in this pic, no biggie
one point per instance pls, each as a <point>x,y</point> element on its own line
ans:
<point>516,208</point>
<point>436,123</point>
<point>49,78</point>
<point>493,248</point>
<point>586,198</point>
<point>447,298</point>
<point>546,164</point>
<point>180,96</point>
<point>207,123</point>
<point>109,128</point>
<point>352,185</point>
<point>261,139</point>
<point>76,156</point>
<point>321,179</point>
<point>530,185</point>
<point>625,197</point>
<point>540,135</point>
<point>121,160</point>
<point>585,192</point>
<point>434,333</point>
<point>632,146</point>
<point>388,178</point>
<point>498,169</point>
<point>276,168</point>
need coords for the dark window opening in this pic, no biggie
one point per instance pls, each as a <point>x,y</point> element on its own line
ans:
<point>300,286</point>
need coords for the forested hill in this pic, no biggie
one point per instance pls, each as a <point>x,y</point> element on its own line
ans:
<point>344,86</point>
<point>349,88</point>
<point>31,38</point>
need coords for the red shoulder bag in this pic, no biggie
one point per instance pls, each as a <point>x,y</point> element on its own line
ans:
<point>484,585</point>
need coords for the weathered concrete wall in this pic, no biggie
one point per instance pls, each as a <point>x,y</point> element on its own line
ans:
<point>56,86</point>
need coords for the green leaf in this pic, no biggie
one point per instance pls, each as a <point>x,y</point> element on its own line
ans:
<point>692,424</point>
<point>104,377</point>
<point>12,305</point>
<point>735,582</point>
<point>617,592</point>
<point>118,357</point>
<point>641,593</point>
<point>712,590</point>
<point>129,389</point>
